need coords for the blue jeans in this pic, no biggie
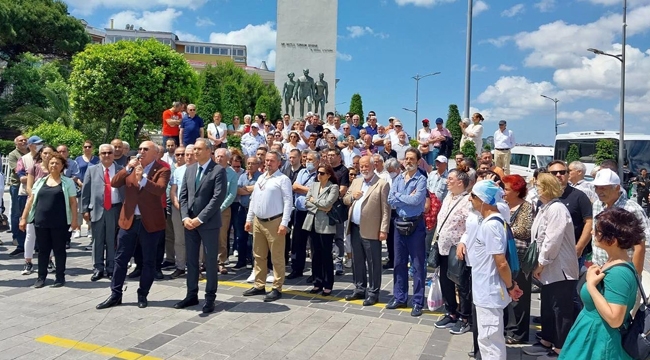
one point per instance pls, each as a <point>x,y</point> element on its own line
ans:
<point>409,246</point>
<point>18,203</point>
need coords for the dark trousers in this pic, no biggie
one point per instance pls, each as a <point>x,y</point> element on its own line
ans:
<point>413,246</point>
<point>477,350</point>
<point>54,240</point>
<point>640,198</point>
<point>322,265</point>
<point>234,209</point>
<point>104,232</point>
<point>159,253</point>
<point>517,314</point>
<point>18,203</point>
<point>366,263</point>
<point>244,239</point>
<point>210,239</point>
<point>448,289</point>
<point>299,244</point>
<point>390,239</point>
<point>287,238</point>
<point>126,244</point>
<point>557,311</point>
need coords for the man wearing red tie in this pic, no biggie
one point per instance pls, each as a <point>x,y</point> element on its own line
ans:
<point>142,220</point>
<point>101,204</point>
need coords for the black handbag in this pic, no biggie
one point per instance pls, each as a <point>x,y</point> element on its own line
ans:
<point>4,222</point>
<point>635,332</point>
<point>405,228</point>
<point>433,261</point>
<point>456,268</point>
<point>338,213</point>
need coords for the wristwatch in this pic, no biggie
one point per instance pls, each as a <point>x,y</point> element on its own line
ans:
<point>511,286</point>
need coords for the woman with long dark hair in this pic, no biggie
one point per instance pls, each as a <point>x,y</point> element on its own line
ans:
<point>321,196</point>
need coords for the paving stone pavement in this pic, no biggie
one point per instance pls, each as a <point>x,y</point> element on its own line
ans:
<point>63,323</point>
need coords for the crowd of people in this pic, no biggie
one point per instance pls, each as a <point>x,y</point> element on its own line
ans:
<point>300,189</point>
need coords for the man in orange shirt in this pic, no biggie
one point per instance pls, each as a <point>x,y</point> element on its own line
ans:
<point>171,118</point>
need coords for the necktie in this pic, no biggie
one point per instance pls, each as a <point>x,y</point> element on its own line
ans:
<point>198,179</point>
<point>108,202</point>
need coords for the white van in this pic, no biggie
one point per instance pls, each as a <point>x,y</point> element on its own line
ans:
<point>525,159</point>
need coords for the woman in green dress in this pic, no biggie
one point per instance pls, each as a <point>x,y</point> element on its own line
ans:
<point>609,294</point>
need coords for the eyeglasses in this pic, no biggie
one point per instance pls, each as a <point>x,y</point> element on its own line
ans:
<point>191,109</point>
<point>555,172</point>
<point>106,153</point>
<point>144,149</point>
<point>87,147</point>
<point>322,173</point>
<point>179,154</point>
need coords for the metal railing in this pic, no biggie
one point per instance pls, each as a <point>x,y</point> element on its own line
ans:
<point>5,168</point>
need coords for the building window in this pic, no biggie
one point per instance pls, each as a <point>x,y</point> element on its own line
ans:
<point>215,51</point>
<point>240,59</point>
<point>239,52</point>
<point>225,51</point>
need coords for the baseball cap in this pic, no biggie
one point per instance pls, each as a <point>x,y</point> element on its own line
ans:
<point>442,159</point>
<point>606,177</point>
<point>255,125</point>
<point>425,121</point>
<point>391,118</point>
<point>502,122</point>
<point>34,140</point>
<point>397,123</point>
<point>439,121</point>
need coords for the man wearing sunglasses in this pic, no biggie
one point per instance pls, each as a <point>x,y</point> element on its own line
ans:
<point>579,207</point>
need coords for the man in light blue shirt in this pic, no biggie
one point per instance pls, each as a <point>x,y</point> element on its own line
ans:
<point>221,157</point>
<point>245,186</point>
<point>437,180</point>
<point>408,195</point>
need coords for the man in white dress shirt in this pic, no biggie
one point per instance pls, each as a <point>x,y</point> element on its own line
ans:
<point>268,216</point>
<point>504,141</point>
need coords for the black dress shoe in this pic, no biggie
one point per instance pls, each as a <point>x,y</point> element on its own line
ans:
<point>109,275</point>
<point>177,273</point>
<point>142,302</point>
<point>388,265</point>
<point>16,252</point>
<point>369,301</point>
<point>310,279</point>
<point>208,307</point>
<point>135,273</point>
<point>354,296</point>
<point>97,275</point>
<point>394,304</point>
<point>273,295</point>
<point>254,291</point>
<point>58,284</point>
<point>39,283</point>
<point>293,275</point>
<point>110,302</point>
<point>187,302</point>
<point>416,311</point>
<point>159,275</point>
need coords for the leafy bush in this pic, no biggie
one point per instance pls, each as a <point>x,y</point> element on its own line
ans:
<point>414,143</point>
<point>56,134</point>
<point>469,150</point>
<point>234,141</point>
<point>573,154</point>
<point>453,125</point>
<point>6,146</point>
<point>356,107</point>
<point>605,150</point>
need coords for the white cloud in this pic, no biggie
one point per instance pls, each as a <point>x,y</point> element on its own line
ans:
<point>423,3</point>
<point>545,5</point>
<point>590,115</point>
<point>259,41</point>
<point>203,21</point>
<point>343,56</point>
<point>478,68</point>
<point>479,7</point>
<point>149,20</point>
<point>87,7</point>
<point>513,11</point>
<point>359,31</point>
<point>504,67</point>
<point>630,3</point>
<point>183,36</point>
<point>498,42</point>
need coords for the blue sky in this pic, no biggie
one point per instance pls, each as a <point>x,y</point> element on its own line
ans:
<point>521,49</point>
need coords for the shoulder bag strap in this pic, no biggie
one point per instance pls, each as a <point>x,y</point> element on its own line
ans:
<point>636,277</point>
<point>449,213</point>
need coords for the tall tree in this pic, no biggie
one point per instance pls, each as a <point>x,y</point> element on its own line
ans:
<point>356,106</point>
<point>605,150</point>
<point>453,125</point>
<point>146,76</point>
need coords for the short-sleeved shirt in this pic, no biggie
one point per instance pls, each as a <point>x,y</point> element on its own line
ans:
<point>487,286</point>
<point>84,165</point>
<point>191,129</point>
<point>580,208</point>
<point>168,130</point>
<point>343,175</point>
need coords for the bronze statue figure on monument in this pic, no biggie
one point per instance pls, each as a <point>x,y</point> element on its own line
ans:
<point>289,94</point>
<point>305,91</point>
<point>320,95</point>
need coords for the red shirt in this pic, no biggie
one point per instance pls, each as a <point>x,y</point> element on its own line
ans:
<point>168,130</point>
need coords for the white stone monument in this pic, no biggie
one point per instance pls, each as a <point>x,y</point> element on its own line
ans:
<point>306,39</point>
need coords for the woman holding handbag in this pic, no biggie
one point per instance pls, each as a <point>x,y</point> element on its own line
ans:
<point>609,293</point>
<point>521,220</point>
<point>319,200</point>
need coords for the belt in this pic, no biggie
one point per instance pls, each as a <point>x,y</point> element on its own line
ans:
<point>270,219</point>
<point>506,149</point>
<point>137,217</point>
<point>412,218</point>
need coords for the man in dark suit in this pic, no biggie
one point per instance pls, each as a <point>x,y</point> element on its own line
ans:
<point>202,193</point>
<point>142,220</point>
<point>101,205</point>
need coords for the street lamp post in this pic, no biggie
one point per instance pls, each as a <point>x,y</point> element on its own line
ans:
<point>468,57</point>
<point>416,114</point>
<point>620,57</point>
<point>555,100</point>
<point>417,79</point>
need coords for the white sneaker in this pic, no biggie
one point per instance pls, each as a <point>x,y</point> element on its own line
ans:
<point>348,263</point>
<point>251,278</point>
<point>269,278</point>
<point>235,253</point>
<point>76,234</point>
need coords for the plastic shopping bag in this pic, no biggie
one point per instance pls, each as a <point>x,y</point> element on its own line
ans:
<point>434,300</point>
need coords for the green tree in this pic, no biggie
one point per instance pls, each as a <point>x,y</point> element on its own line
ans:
<point>41,27</point>
<point>127,127</point>
<point>487,146</point>
<point>453,125</point>
<point>356,106</point>
<point>231,101</point>
<point>469,150</point>
<point>605,150</point>
<point>57,111</point>
<point>55,134</point>
<point>274,111</point>
<point>573,154</point>
<point>146,76</point>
